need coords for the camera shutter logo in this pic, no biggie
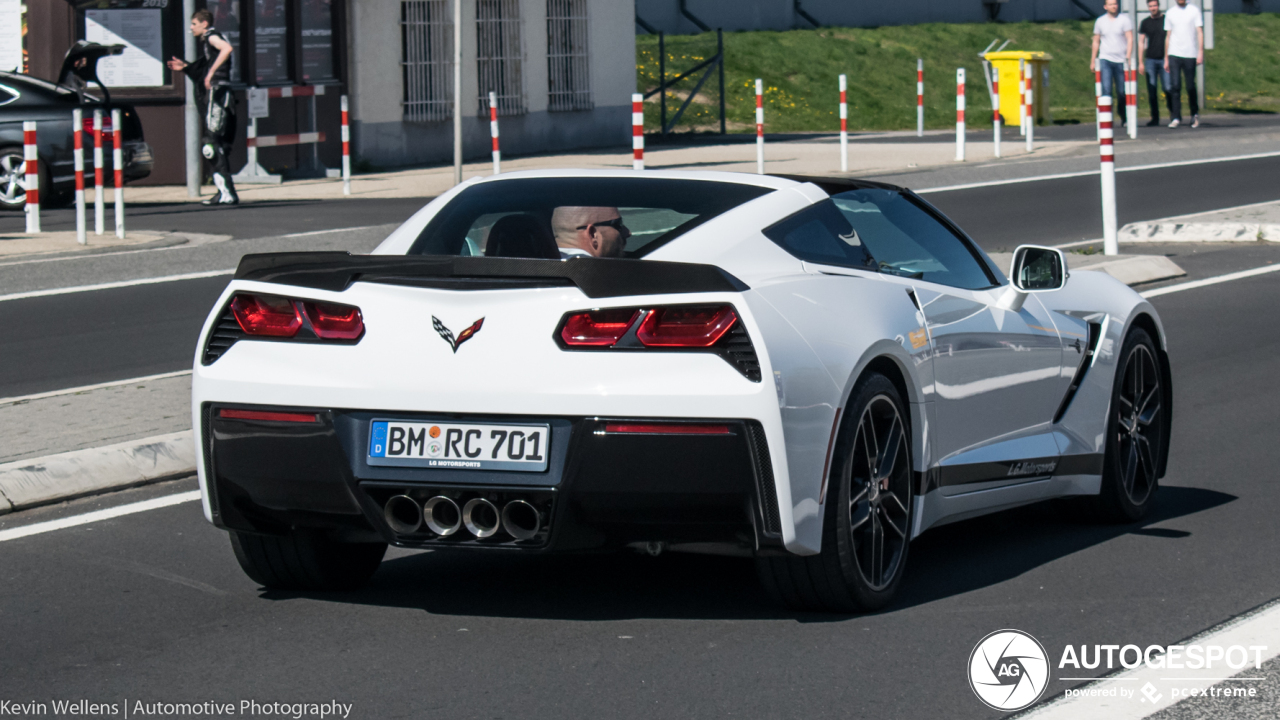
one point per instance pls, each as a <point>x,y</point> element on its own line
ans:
<point>1008,670</point>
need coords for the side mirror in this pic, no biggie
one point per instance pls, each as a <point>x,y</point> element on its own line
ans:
<point>1038,269</point>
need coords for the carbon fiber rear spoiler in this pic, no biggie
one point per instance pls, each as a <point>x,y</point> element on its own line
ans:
<point>595,277</point>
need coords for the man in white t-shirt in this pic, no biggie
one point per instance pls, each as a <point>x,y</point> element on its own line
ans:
<point>1112,47</point>
<point>1184,50</point>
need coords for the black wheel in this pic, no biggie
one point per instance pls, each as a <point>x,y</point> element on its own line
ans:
<point>1136,432</point>
<point>867,518</point>
<point>306,560</point>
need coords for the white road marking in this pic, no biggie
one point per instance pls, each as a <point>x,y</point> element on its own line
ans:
<point>86,388</point>
<point>112,285</point>
<point>98,515</point>
<point>1087,173</point>
<point>334,230</point>
<point>1211,281</point>
<point>1259,628</point>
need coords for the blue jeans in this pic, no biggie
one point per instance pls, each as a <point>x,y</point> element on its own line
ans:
<point>1113,75</point>
<point>1155,70</point>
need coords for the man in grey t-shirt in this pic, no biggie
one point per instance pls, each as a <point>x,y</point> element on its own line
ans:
<point>1112,47</point>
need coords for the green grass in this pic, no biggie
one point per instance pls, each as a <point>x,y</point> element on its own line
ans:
<point>800,68</point>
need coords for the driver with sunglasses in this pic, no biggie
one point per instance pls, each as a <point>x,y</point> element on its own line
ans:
<point>594,231</point>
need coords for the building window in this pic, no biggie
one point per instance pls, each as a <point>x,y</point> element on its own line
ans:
<point>426,42</point>
<point>499,55</point>
<point>568,76</point>
<point>270,42</point>
<point>317,41</point>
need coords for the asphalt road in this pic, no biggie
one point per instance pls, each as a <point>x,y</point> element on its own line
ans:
<point>112,340</point>
<point>153,607</point>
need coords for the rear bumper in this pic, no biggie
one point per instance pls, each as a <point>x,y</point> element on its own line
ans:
<point>601,489</point>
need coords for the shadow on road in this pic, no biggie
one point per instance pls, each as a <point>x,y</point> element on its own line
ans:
<point>944,562</point>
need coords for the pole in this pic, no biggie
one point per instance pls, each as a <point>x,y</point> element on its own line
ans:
<point>759,126</point>
<point>1206,9</point>
<point>844,126</point>
<point>1022,105</point>
<point>346,147</point>
<point>1131,98</point>
<point>662,83</point>
<point>1106,145</point>
<point>493,131</point>
<point>457,92</point>
<point>637,131</point>
<point>32,168</point>
<point>190,116</point>
<point>720,52</point>
<point>117,165</point>
<point>77,119</point>
<point>99,212</point>
<point>995,107</point>
<point>1028,99</point>
<point>1097,84</point>
<point>960,114</point>
<point>919,97</point>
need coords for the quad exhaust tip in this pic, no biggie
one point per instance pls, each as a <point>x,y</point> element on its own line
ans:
<point>442,516</point>
<point>521,520</point>
<point>481,517</point>
<point>402,514</point>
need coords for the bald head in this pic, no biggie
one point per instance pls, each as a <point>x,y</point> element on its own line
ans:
<point>597,231</point>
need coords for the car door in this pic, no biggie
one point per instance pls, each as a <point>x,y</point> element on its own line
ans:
<point>997,372</point>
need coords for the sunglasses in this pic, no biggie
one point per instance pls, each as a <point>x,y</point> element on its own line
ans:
<point>615,223</point>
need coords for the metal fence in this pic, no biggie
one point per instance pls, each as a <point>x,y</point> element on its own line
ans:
<point>500,56</point>
<point>426,36</point>
<point>687,75</point>
<point>568,73</point>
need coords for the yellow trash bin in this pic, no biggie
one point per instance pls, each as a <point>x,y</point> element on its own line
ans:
<point>1006,65</point>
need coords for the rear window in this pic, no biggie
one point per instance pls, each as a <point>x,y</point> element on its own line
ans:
<point>553,218</point>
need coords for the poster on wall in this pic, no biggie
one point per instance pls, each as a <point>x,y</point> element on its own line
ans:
<point>141,64</point>
<point>11,35</point>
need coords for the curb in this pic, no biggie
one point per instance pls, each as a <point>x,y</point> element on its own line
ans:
<point>1128,269</point>
<point>65,476</point>
<point>1199,232</point>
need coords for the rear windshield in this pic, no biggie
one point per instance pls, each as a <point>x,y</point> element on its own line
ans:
<point>560,218</point>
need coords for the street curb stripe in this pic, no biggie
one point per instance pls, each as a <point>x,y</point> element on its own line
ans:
<point>98,515</point>
<point>1211,281</point>
<point>113,285</point>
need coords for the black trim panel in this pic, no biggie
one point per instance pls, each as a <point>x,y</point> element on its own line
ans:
<point>1029,468</point>
<point>596,277</point>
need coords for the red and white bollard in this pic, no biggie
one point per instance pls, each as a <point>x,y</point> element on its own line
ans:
<point>844,125</point>
<point>1097,84</point>
<point>346,148</point>
<point>32,168</point>
<point>1106,144</point>
<point>637,131</point>
<point>1028,100</point>
<point>99,212</point>
<point>960,114</point>
<point>919,97</point>
<point>1022,105</point>
<point>77,120</point>
<point>1131,98</point>
<point>493,132</point>
<point>995,108</point>
<point>759,126</point>
<point>117,161</point>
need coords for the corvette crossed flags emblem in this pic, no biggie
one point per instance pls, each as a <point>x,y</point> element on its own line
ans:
<point>463,336</point>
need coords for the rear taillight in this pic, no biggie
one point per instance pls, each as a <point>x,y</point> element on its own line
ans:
<point>267,416</point>
<point>692,327</point>
<point>636,428</point>
<point>597,328</point>
<point>334,322</point>
<point>266,315</point>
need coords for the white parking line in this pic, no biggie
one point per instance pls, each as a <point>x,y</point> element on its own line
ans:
<point>86,388</point>
<point>96,515</point>
<point>1211,281</point>
<point>1086,173</point>
<point>112,285</point>
<point>1258,628</point>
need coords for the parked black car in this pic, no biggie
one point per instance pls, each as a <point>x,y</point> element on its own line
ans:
<point>24,98</point>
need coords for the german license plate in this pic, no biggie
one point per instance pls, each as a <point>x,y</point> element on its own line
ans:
<point>459,446</point>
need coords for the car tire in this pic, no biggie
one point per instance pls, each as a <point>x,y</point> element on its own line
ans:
<point>869,497</point>
<point>14,197</point>
<point>1136,433</point>
<point>306,560</point>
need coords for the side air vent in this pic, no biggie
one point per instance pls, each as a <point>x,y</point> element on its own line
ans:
<point>1095,334</point>
<point>764,477</point>
<point>224,335</point>
<point>736,348</point>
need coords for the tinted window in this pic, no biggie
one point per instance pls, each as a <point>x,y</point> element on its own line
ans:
<point>821,234</point>
<point>518,218</point>
<point>907,240</point>
<point>7,96</point>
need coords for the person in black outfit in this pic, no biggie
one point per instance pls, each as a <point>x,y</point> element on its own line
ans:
<point>211,74</point>
<point>1151,34</point>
